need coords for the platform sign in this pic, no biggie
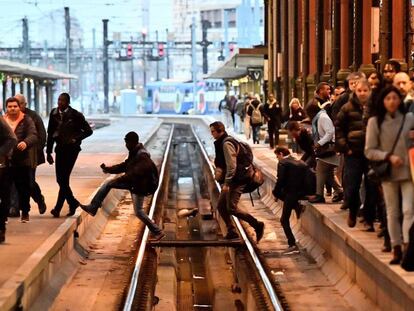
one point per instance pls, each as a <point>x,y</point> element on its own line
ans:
<point>255,73</point>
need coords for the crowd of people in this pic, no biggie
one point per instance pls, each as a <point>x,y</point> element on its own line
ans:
<point>23,138</point>
<point>357,138</point>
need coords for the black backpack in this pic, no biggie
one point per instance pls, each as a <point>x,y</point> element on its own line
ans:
<point>153,179</point>
<point>247,173</point>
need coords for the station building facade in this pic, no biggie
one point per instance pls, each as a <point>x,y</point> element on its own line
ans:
<point>309,41</point>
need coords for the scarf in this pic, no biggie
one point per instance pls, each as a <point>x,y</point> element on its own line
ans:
<point>13,123</point>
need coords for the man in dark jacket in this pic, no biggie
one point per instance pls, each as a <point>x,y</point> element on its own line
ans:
<point>288,188</point>
<point>137,168</point>
<point>351,81</point>
<point>67,128</point>
<point>7,142</point>
<point>36,152</point>
<point>231,178</point>
<point>350,140</point>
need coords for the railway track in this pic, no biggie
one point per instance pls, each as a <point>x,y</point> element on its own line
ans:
<point>194,268</point>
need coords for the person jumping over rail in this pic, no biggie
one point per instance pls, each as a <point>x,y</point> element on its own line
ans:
<point>140,178</point>
<point>232,177</point>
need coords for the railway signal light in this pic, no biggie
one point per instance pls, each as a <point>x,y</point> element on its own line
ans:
<point>129,51</point>
<point>231,48</point>
<point>161,51</point>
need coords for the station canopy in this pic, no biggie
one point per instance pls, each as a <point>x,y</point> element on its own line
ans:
<point>237,66</point>
<point>25,70</point>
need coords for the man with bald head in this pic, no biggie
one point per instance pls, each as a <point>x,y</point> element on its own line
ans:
<point>37,155</point>
<point>403,83</point>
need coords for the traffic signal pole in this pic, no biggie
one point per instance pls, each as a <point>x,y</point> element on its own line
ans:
<point>158,62</point>
<point>105,65</point>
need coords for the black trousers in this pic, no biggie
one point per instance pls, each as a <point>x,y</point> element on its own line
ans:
<point>35,191</point>
<point>4,196</point>
<point>20,175</point>
<point>354,168</point>
<point>290,203</point>
<point>273,129</point>
<point>64,162</point>
<point>227,206</point>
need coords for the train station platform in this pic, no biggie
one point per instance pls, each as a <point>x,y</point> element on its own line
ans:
<point>30,246</point>
<point>337,268</point>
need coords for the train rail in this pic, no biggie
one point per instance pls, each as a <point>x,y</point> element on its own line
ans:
<point>205,270</point>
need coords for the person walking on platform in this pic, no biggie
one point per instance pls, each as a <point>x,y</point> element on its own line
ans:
<point>8,141</point>
<point>290,189</point>
<point>230,174</point>
<point>255,112</point>
<point>67,128</point>
<point>225,109</point>
<point>387,140</point>
<point>21,162</point>
<point>36,152</point>
<point>140,178</point>
<point>273,114</point>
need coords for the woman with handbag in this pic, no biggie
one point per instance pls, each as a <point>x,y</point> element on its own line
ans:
<point>387,146</point>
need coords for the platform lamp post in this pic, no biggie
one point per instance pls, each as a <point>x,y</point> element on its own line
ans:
<point>144,62</point>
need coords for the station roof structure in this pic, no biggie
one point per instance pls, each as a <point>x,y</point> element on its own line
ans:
<point>237,66</point>
<point>15,68</point>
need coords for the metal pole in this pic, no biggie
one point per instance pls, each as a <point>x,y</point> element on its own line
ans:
<point>158,61</point>
<point>67,27</point>
<point>26,48</point>
<point>144,61</point>
<point>226,32</point>
<point>94,71</point>
<point>105,65</point>
<point>270,46</point>
<point>285,49</point>
<point>167,55</point>
<point>193,58</point>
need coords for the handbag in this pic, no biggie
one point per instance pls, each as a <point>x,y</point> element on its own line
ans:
<point>382,169</point>
<point>326,150</point>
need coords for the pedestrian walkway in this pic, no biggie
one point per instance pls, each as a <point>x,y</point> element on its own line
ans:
<point>23,240</point>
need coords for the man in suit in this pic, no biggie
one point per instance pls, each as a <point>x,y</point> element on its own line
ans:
<point>67,128</point>
<point>36,153</point>
<point>289,188</point>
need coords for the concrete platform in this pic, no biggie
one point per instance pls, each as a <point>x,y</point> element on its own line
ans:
<point>33,246</point>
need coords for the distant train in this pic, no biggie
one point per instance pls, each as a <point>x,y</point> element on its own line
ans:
<point>166,97</point>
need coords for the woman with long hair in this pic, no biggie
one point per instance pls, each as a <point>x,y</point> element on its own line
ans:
<point>387,140</point>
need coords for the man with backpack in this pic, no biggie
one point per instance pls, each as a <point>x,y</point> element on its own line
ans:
<point>234,169</point>
<point>140,178</point>
<point>294,181</point>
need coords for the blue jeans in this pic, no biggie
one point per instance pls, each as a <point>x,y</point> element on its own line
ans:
<point>137,201</point>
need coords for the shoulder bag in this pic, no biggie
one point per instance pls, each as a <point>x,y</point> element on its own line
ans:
<point>380,170</point>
